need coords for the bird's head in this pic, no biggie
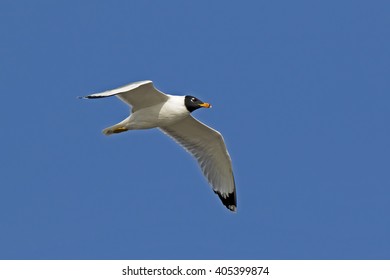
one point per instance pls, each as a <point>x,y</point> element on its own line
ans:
<point>192,103</point>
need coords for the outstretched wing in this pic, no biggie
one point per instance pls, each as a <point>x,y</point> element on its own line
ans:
<point>208,147</point>
<point>138,95</point>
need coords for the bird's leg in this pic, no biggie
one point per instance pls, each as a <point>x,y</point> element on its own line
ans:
<point>114,129</point>
<point>120,129</point>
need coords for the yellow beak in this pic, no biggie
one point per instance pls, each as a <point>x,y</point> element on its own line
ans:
<point>205,105</point>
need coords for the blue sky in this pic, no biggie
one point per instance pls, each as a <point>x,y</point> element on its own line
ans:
<point>300,91</point>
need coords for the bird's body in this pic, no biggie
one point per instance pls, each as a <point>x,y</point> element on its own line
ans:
<point>159,115</point>
<point>172,115</point>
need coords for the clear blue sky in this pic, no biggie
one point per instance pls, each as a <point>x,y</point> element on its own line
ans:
<point>300,91</point>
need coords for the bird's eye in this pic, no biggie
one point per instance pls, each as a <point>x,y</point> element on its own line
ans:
<point>193,99</point>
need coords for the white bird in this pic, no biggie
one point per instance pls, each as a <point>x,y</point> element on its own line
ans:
<point>172,115</point>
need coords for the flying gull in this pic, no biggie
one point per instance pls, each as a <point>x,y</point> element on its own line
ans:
<point>151,108</point>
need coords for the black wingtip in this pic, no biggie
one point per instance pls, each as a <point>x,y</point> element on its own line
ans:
<point>229,200</point>
<point>90,97</point>
<point>93,97</point>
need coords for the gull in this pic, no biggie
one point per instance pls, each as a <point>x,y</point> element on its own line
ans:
<point>151,108</point>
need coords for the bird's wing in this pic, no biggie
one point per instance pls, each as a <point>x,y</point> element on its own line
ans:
<point>208,147</point>
<point>138,95</point>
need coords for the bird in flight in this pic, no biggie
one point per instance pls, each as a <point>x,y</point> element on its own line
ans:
<point>150,108</point>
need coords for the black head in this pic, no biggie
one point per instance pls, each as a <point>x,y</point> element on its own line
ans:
<point>193,103</point>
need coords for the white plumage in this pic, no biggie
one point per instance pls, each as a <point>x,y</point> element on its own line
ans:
<point>172,114</point>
